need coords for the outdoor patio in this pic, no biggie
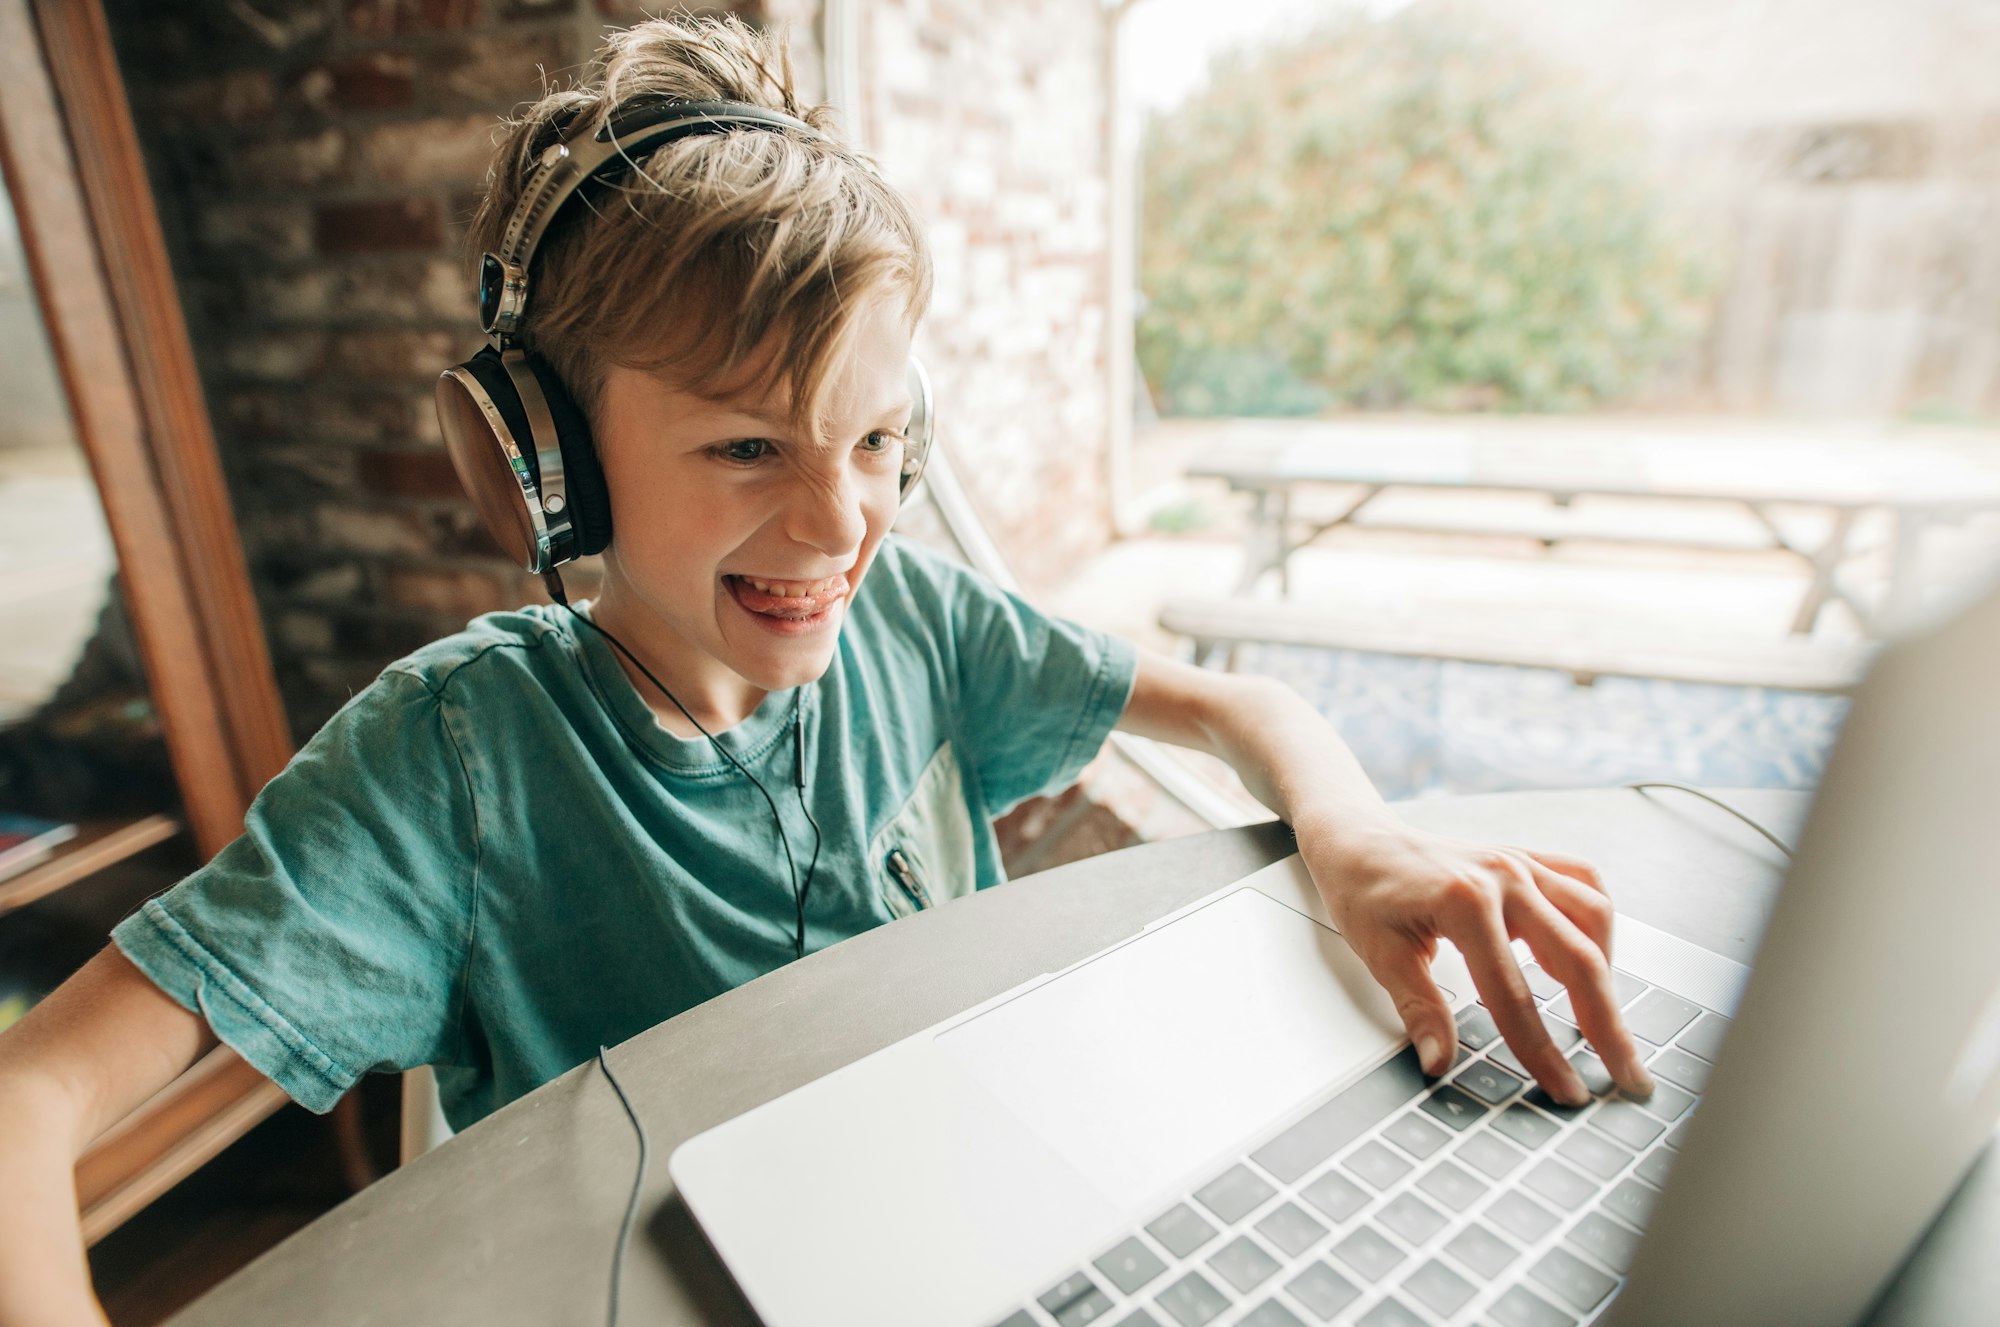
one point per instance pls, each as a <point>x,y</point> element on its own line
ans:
<point>1428,726</point>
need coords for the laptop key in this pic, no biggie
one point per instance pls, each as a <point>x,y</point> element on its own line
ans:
<point>1452,1186</point>
<point>1377,1164</point>
<point>1525,1126</point>
<point>1191,1301</point>
<point>1336,1195</point>
<point>1018,1318</point>
<point>1489,1082</point>
<point>1243,1263</point>
<point>1653,1167</point>
<point>1704,1036</point>
<point>1137,1318</point>
<point>1631,1202</point>
<point>1234,1194</point>
<point>1560,1185</point>
<point>1335,1124</point>
<point>1130,1265</point>
<point>1453,1107</point>
<point>1416,1135</point>
<point>1596,1078</point>
<point>1541,983</point>
<point>1411,1217</point>
<point>1521,1216</point>
<point>1678,1135</point>
<point>1519,1308</point>
<point>1593,1152</point>
<point>1180,1230</point>
<point>1391,1313</point>
<point>1573,1280</point>
<point>1627,1123</point>
<point>1489,1156</point>
<point>1484,1252</point>
<point>1093,1307</point>
<point>1438,1288</point>
<point>1290,1229</point>
<point>1270,1314</point>
<point>1323,1291</point>
<point>1659,1015</point>
<point>1667,1103</point>
<point>1625,988</point>
<point>1368,1253</point>
<point>1605,1240</point>
<point>1678,1067</point>
<point>1541,1100</point>
<point>1476,1027</point>
<point>1072,1287</point>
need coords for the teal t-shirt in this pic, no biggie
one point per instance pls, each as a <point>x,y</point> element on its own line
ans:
<point>493,859</point>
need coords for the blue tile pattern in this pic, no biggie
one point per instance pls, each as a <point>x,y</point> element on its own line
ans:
<point>1432,727</point>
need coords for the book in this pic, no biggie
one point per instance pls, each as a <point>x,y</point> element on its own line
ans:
<point>27,841</point>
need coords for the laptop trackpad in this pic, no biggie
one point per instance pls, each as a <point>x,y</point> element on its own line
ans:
<point>1147,1061</point>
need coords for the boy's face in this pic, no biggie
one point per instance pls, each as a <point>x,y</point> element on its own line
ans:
<point>737,536</point>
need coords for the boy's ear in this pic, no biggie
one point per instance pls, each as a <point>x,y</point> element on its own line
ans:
<point>524,455</point>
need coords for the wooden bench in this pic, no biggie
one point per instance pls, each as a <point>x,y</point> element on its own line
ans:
<point>1790,664</point>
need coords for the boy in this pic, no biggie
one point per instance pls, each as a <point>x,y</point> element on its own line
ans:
<point>559,826</point>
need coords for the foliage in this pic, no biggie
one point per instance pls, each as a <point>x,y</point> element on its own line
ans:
<point>1403,212</point>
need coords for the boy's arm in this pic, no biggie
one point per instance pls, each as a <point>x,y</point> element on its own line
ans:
<point>1394,890</point>
<point>80,1061</point>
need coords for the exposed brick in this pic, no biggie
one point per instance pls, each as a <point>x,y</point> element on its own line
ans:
<point>406,291</point>
<point>275,355</point>
<point>294,296</point>
<point>392,18</point>
<point>392,353</point>
<point>342,583</point>
<point>457,594</point>
<point>442,151</point>
<point>408,223</point>
<point>457,531</point>
<point>375,81</point>
<point>239,96</point>
<point>476,70</point>
<point>426,474</point>
<point>289,162</point>
<point>262,228</point>
<point>303,633</point>
<point>305,465</point>
<point>366,530</point>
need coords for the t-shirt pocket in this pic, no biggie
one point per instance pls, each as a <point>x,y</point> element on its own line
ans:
<point>924,855</point>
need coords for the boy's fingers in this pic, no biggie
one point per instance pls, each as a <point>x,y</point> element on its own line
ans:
<point>1563,864</point>
<point>1405,972</point>
<point>1482,939</point>
<point>1589,910</point>
<point>1580,961</point>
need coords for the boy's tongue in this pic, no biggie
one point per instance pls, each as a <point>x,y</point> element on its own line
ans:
<point>800,598</point>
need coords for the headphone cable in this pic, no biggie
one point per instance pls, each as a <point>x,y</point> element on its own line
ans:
<point>798,745</point>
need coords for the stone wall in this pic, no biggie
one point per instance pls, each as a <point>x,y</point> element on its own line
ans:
<point>314,163</point>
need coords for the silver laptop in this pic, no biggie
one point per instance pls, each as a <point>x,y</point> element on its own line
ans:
<point>1219,1121</point>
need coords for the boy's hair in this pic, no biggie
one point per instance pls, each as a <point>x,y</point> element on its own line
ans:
<point>717,243</point>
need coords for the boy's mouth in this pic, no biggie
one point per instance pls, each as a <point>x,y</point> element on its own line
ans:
<point>787,600</point>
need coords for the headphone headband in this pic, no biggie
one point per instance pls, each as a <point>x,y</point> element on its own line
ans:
<point>565,168</point>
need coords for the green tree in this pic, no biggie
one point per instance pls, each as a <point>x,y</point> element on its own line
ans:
<point>1411,212</point>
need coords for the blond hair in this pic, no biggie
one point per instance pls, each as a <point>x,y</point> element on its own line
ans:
<point>717,244</point>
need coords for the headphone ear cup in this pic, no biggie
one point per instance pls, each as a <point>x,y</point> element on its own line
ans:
<point>590,501</point>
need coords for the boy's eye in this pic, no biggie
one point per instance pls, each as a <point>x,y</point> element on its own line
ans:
<point>881,440</point>
<point>743,449</point>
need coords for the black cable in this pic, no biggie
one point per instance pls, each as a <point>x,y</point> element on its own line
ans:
<point>1776,842</point>
<point>791,866</point>
<point>799,784</point>
<point>638,1184</point>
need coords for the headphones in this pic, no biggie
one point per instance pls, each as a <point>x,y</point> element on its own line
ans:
<point>516,437</point>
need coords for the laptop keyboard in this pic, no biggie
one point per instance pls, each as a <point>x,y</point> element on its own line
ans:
<point>1402,1201</point>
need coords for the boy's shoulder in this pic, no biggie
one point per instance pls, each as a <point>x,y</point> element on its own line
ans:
<point>512,641</point>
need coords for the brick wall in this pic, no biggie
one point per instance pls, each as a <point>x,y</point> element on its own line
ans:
<point>315,160</point>
<point>990,116</point>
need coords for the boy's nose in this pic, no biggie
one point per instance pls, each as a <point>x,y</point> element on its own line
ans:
<point>828,515</point>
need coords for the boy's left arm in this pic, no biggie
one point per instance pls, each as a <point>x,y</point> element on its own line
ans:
<point>1393,890</point>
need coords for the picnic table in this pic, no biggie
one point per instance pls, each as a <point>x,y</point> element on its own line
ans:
<point>1803,497</point>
